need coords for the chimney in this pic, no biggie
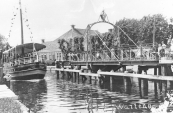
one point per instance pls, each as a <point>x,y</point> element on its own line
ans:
<point>72,26</point>
<point>42,40</point>
<point>110,30</point>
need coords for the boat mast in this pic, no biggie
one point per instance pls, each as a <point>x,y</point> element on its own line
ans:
<point>22,41</point>
<point>154,31</point>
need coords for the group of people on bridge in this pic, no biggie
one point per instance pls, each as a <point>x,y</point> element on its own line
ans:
<point>165,49</point>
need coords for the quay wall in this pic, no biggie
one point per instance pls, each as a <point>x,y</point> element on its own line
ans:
<point>9,102</point>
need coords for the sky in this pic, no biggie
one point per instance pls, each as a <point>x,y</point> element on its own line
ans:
<point>49,19</point>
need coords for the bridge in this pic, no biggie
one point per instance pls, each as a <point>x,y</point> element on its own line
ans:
<point>130,55</point>
<point>144,55</point>
<point>136,54</point>
<point>108,64</point>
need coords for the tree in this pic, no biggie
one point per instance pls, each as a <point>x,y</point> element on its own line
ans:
<point>3,44</point>
<point>130,27</point>
<point>142,30</point>
<point>153,24</point>
<point>65,47</point>
<point>78,44</point>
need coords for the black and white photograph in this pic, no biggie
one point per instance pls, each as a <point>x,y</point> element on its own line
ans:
<point>86,56</point>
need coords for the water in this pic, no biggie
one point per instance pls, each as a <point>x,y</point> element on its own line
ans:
<point>53,95</point>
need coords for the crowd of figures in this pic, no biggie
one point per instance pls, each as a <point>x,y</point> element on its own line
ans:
<point>165,50</point>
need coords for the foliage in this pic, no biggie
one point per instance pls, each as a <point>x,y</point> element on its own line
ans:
<point>4,45</point>
<point>65,47</point>
<point>130,27</point>
<point>78,44</point>
<point>147,24</point>
<point>141,31</point>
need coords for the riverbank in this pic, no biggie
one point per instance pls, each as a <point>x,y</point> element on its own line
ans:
<point>9,102</point>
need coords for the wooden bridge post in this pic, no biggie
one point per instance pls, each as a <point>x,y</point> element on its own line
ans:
<point>163,84</point>
<point>139,81</point>
<point>145,85</point>
<point>62,74</point>
<point>160,88</point>
<point>78,77</point>
<point>164,88</point>
<point>163,70</point>
<point>107,81</point>
<point>84,78</point>
<point>126,80</point>
<point>57,73</point>
<point>57,63</point>
<point>75,74</point>
<point>90,77</point>
<point>155,83</point>
<point>159,71</point>
<point>111,81</point>
<point>68,75</point>
<point>89,71</point>
<point>155,70</point>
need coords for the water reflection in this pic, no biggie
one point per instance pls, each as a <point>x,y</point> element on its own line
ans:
<point>68,95</point>
<point>30,93</point>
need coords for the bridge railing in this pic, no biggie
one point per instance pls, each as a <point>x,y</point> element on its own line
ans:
<point>123,53</point>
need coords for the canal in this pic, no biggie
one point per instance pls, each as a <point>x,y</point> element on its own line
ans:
<point>68,95</point>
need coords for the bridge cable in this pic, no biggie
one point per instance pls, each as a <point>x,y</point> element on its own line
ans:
<point>127,36</point>
<point>107,46</point>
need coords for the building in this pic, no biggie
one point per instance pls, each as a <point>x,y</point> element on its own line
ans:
<point>52,51</point>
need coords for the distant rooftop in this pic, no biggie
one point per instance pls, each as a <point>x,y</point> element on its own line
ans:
<point>53,46</point>
<point>75,32</point>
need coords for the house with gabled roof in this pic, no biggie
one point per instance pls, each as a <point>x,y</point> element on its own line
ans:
<point>52,51</point>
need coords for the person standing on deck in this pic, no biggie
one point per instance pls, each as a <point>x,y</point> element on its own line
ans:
<point>159,49</point>
<point>163,45</point>
<point>169,41</point>
<point>162,51</point>
<point>171,47</point>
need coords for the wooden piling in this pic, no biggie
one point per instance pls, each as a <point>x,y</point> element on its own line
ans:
<point>140,91</point>
<point>90,79</point>
<point>155,70</point>
<point>75,74</point>
<point>155,83</point>
<point>111,83</point>
<point>62,74</point>
<point>1,75</point>
<point>139,82</point>
<point>160,88</point>
<point>159,71</point>
<point>164,88</point>
<point>145,85</point>
<point>163,70</point>
<point>57,73</point>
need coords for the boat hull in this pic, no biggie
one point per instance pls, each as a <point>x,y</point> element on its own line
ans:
<point>28,74</point>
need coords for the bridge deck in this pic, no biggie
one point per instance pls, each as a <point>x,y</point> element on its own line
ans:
<point>141,62</point>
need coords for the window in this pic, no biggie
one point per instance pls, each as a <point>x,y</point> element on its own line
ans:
<point>58,56</point>
<point>45,56</point>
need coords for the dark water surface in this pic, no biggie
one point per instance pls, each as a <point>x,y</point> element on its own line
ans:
<point>53,95</point>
